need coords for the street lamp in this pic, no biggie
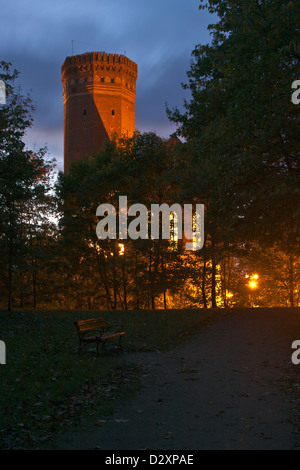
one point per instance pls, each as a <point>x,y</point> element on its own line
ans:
<point>229,296</point>
<point>253,285</point>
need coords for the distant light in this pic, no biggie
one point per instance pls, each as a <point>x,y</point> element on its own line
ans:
<point>229,295</point>
<point>255,276</point>
<point>253,284</point>
<point>247,275</point>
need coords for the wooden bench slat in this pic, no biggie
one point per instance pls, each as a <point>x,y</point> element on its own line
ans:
<point>89,324</point>
<point>111,335</point>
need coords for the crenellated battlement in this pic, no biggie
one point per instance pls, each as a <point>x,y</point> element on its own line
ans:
<point>89,60</point>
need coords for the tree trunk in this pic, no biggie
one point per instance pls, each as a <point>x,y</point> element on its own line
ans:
<point>151,282</point>
<point>213,276</point>
<point>137,294</point>
<point>124,282</point>
<point>34,289</point>
<point>104,282</point>
<point>10,264</point>
<point>291,281</point>
<point>203,283</point>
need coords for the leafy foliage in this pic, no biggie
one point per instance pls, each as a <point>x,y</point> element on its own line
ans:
<point>24,183</point>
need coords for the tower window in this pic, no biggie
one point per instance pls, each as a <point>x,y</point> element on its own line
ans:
<point>102,79</point>
<point>112,80</point>
<point>84,112</point>
<point>113,112</point>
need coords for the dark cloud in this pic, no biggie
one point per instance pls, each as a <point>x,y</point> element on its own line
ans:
<point>151,99</point>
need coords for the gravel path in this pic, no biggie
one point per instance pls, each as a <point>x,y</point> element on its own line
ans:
<point>231,387</point>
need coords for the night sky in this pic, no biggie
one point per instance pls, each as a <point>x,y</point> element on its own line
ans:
<point>158,35</point>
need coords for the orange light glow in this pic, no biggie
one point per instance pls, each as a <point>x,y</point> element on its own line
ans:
<point>253,285</point>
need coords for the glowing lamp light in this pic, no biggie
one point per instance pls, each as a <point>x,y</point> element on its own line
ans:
<point>253,285</point>
<point>229,295</point>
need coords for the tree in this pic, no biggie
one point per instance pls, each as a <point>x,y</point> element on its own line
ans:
<point>23,175</point>
<point>241,125</point>
<point>129,273</point>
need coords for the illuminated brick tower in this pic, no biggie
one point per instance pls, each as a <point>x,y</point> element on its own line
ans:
<point>99,100</point>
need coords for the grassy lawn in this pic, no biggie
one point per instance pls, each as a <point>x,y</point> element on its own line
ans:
<point>46,389</point>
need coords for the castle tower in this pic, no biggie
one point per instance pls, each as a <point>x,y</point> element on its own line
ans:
<point>99,101</point>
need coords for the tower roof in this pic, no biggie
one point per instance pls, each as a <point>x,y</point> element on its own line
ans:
<point>103,59</point>
<point>174,140</point>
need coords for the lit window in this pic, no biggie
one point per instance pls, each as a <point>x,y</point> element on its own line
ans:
<point>174,228</point>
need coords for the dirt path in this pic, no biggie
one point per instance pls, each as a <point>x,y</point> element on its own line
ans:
<point>229,388</point>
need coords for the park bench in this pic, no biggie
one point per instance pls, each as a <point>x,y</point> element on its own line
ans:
<point>95,331</point>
